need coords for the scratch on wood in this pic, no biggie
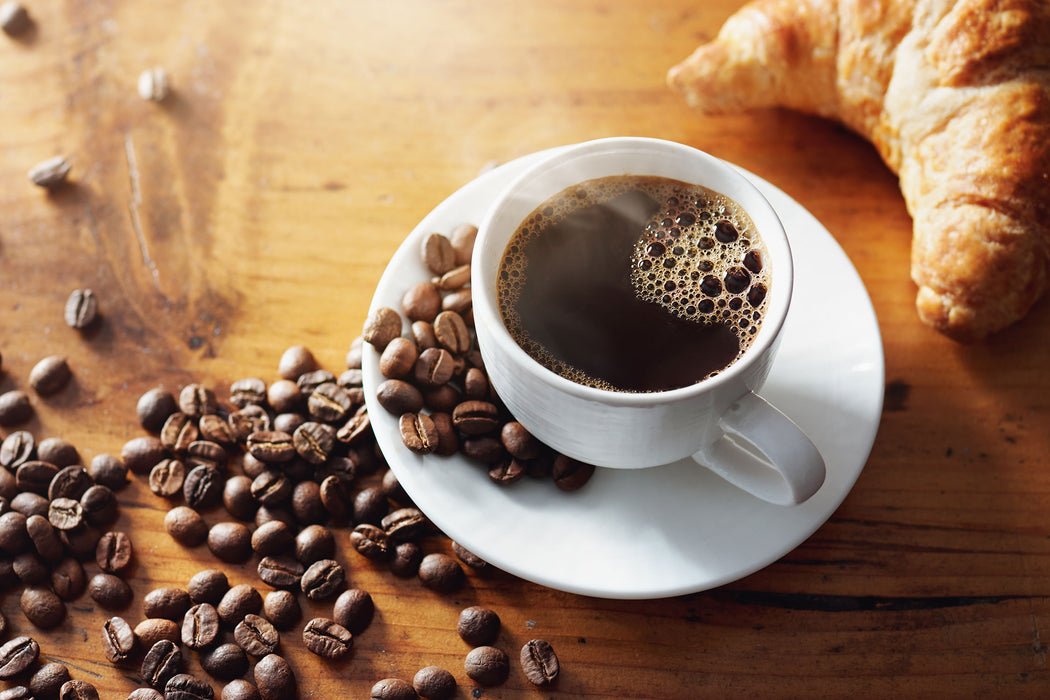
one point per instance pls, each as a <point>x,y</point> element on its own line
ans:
<point>1037,644</point>
<point>60,660</point>
<point>133,207</point>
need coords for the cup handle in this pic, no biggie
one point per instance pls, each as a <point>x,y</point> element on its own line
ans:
<point>764,453</point>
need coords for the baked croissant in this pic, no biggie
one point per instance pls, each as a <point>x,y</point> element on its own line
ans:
<point>954,94</point>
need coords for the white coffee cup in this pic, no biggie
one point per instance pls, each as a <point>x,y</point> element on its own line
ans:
<point>721,422</point>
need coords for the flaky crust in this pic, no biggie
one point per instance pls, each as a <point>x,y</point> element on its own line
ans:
<point>955,95</point>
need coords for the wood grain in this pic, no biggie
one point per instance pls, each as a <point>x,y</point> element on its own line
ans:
<point>257,207</point>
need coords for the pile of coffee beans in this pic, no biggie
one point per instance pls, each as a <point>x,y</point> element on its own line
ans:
<point>435,380</point>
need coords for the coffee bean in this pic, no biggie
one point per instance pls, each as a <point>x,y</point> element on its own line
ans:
<point>237,497</point>
<point>438,254</point>
<point>166,478</point>
<point>240,690</point>
<point>28,503</point>
<point>58,451</point>
<point>506,471</point>
<point>280,571</point>
<point>15,407</point>
<point>200,626</point>
<point>50,375</point>
<point>44,538</point>
<point>68,579</point>
<point>47,680</point>
<point>118,640</point>
<point>141,453</point>
<point>230,542</point>
<point>540,663</point>
<point>393,689</point>
<point>370,505</point>
<point>186,526</point>
<point>357,427</point>
<point>448,438</point>
<point>214,428</point>
<point>485,449</point>
<point>313,543</point>
<point>248,420</point>
<point>455,278</point>
<point>406,559</point>
<point>272,538</point>
<point>487,665</point>
<point>271,446</point>
<point>274,678</point>
<point>145,694</point>
<point>441,573</point>
<point>13,535</point>
<point>284,395</point>
<point>70,482</point>
<point>236,603</point>
<point>77,690</point>
<point>421,302</point>
<point>29,569</point>
<point>476,417</point>
<point>460,301</point>
<point>208,586</point>
<point>418,433</point>
<point>178,432</point>
<point>109,591</point>
<point>354,610</point>
<point>327,638</point>
<point>399,397</point>
<point>519,442</point>
<point>452,333</point>
<point>423,334</point>
<point>35,475</point>
<point>434,683</point>
<point>166,602</point>
<point>113,552</point>
<point>64,513</point>
<point>100,506</point>
<point>272,487</point>
<point>478,626</point>
<point>196,400</point>
<point>295,361</point>
<point>570,474</point>
<point>322,579</point>
<point>17,449</point>
<point>371,541</point>
<point>81,309</point>
<point>335,497</point>
<point>81,541</point>
<point>434,367</point>
<point>314,441</point>
<point>329,403</point>
<point>225,661</point>
<point>16,655</point>
<point>15,692</point>
<point>183,686</point>
<point>442,399</point>
<point>306,503</point>
<point>207,452</point>
<point>42,607</point>
<point>202,487</point>
<point>249,390</point>
<point>282,609</point>
<point>398,358</point>
<point>256,636</point>
<point>154,407</point>
<point>153,629</point>
<point>405,524</point>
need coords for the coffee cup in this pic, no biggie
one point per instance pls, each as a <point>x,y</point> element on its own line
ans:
<point>720,421</point>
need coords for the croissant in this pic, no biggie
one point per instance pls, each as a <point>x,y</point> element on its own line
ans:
<point>954,95</point>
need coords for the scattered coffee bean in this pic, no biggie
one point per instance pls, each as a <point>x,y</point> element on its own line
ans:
<point>118,640</point>
<point>183,686</point>
<point>202,487</point>
<point>47,680</point>
<point>256,636</point>
<point>16,655</point>
<point>540,663</point>
<point>63,513</point>
<point>14,19</point>
<point>487,665</point>
<point>166,602</point>
<point>141,453</point>
<point>239,601</point>
<point>327,639</point>
<point>44,538</point>
<point>406,559</point>
<point>274,678</point>
<point>50,173</point>
<point>271,446</point>
<point>153,629</point>
<point>371,541</point>
<point>109,591</point>
<point>282,609</point>
<point>17,449</point>
<point>418,433</point>
<point>478,626</point>
<point>200,626</point>
<point>167,477</point>
<point>313,543</point>
<point>434,683</point>
<point>295,361</point>
<point>570,474</point>
<point>113,553</point>
<point>230,542</point>
<point>68,579</point>
<point>154,407</point>
<point>186,526</point>
<point>208,586</point>
<point>225,661</point>
<point>441,573</point>
<point>280,571</point>
<point>42,607</point>
<point>77,690</point>
<point>393,689</point>
<point>438,254</point>
<point>50,375</point>
<point>70,481</point>
<point>15,407</point>
<point>354,610</point>
<point>382,326</point>
<point>323,579</point>
<point>240,690</point>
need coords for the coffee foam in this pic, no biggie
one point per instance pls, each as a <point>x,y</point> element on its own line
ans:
<point>680,262</point>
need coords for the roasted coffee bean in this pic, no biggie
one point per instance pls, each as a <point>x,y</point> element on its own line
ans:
<point>405,524</point>
<point>214,428</point>
<point>200,626</point>
<point>485,449</point>
<point>196,400</point>
<point>424,336</point>
<point>186,526</point>
<point>162,661</point>
<point>153,629</point>
<point>371,541</point>
<point>69,482</point>
<point>113,552</point>
<point>17,449</point>
<point>309,381</point>
<point>47,681</point>
<point>183,686</point>
<point>230,542</point>
<point>202,488</point>
<point>442,399</point>
<point>335,497</point>
<point>406,559</point>
<point>35,475</point>
<point>506,471</point>
<point>357,427</point>
<point>421,302</point>
<point>306,503</point>
<point>313,543</point>
<point>206,452</point>
<point>13,535</point>
<point>382,326</point>
<point>178,431</point>
<point>476,417</point>
<point>322,579</point>
<point>434,367</point>
<point>438,254</point>
<point>240,689</point>
<point>329,403</point>
<point>81,541</point>
<point>225,661</point>
<point>237,497</point>
<point>354,610</point>
<point>288,422</point>
<point>295,361</point>
<point>434,683</point>
<point>81,308</point>
<point>469,558</point>
<point>455,278</point>
<point>154,407</point>
<point>100,506</point>
<point>16,655</point>
<point>208,586</point>
<point>478,626</point>
<point>327,638</point>
<point>418,433</point>
<point>461,301</point>
<point>519,442</point>
<point>280,572</point>
<point>399,397</point>
<point>441,573</point>
<point>118,640</point>
<point>239,601</point>
<point>68,579</point>
<point>250,419</point>
<point>284,396</point>
<point>264,515</point>
<point>370,505</point>
<point>487,665</point>
<point>274,678</point>
<point>452,333</point>
<point>256,636</point>
<point>28,503</point>
<point>77,690</point>
<point>271,446</point>
<point>50,375</point>
<point>65,513</point>
<point>29,569</point>
<point>141,453</point>
<point>272,538</point>
<point>42,607</point>
<point>15,407</point>
<point>314,441</point>
<point>392,689</point>
<point>272,487</point>
<point>570,474</point>
<point>249,390</point>
<point>15,692</point>
<point>398,358</point>
<point>166,602</point>
<point>109,591</point>
<point>58,451</point>
<point>44,538</point>
<point>476,385</point>
<point>540,663</point>
<point>447,437</point>
<point>282,609</point>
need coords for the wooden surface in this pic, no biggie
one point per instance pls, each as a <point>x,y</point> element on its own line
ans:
<point>257,207</point>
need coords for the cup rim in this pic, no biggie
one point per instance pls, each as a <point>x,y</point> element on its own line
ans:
<point>484,293</point>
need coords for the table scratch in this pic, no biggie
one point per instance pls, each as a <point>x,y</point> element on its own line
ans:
<point>133,207</point>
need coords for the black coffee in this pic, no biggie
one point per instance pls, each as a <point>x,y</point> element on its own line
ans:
<point>635,284</point>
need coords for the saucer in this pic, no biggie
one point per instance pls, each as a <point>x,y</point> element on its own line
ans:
<point>675,529</point>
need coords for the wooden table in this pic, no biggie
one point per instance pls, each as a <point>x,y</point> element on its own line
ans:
<point>257,207</point>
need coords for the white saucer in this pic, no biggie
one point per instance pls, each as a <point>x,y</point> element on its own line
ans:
<point>674,529</point>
